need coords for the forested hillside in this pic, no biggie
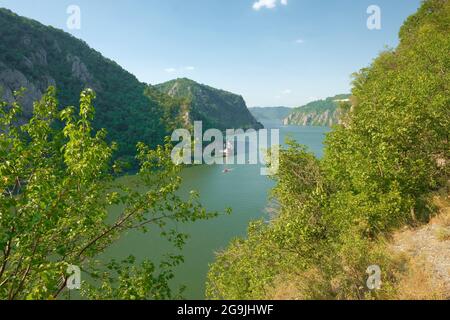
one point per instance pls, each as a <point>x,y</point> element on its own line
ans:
<point>216,108</point>
<point>381,168</point>
<point>318,113</point>
<point>35,57</point>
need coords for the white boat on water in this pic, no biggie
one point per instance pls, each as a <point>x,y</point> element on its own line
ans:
<point>229,150</point>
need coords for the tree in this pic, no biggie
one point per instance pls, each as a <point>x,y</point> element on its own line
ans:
<point>56,186</point>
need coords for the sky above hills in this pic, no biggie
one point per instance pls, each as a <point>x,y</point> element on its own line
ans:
<point>273,52</point>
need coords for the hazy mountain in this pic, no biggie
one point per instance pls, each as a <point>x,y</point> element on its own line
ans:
<point>270,113</point>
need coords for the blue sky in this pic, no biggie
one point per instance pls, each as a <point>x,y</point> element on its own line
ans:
<point>288,52</point>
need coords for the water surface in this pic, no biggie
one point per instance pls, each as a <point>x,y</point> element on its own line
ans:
<point>243,190</point>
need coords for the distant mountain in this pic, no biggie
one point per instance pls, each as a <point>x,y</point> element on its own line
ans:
<point>35,57</point>
<point>216,108</point>
<point>318,113</point>
<point>270,113</point>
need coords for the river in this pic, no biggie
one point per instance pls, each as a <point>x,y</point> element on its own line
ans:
<point>243,189</point>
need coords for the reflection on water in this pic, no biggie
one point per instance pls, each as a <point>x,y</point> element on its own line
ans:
<point>242,188</point>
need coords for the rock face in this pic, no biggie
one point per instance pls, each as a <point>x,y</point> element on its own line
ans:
<point>13,80</point>
<point>313,118</point>
<point>81,72</point>
<point>216,108</point>
<point>318,113</point>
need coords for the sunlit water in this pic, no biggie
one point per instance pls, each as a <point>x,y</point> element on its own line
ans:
<point>243,190</point>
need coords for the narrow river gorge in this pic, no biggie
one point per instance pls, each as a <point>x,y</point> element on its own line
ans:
<point>242,189</point>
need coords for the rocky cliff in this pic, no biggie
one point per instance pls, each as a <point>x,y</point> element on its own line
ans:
<point>318,113</point>
<point>216,108</point>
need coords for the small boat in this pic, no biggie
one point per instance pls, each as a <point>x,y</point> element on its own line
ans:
<point>226,170</point>
<point>229,150</point>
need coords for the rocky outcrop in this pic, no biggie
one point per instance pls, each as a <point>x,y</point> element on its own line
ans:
<point>81,72</point>
<point>313,118</point>
<point>14,80</point>
<point>318,113</point>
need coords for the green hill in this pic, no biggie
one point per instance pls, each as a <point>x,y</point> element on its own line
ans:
<point>318,113</point>
<point>216,108</point>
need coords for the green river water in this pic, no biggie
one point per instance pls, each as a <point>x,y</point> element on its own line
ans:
<point>243,189</point>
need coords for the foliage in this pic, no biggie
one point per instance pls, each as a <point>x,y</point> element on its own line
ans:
<point>56,188</point>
